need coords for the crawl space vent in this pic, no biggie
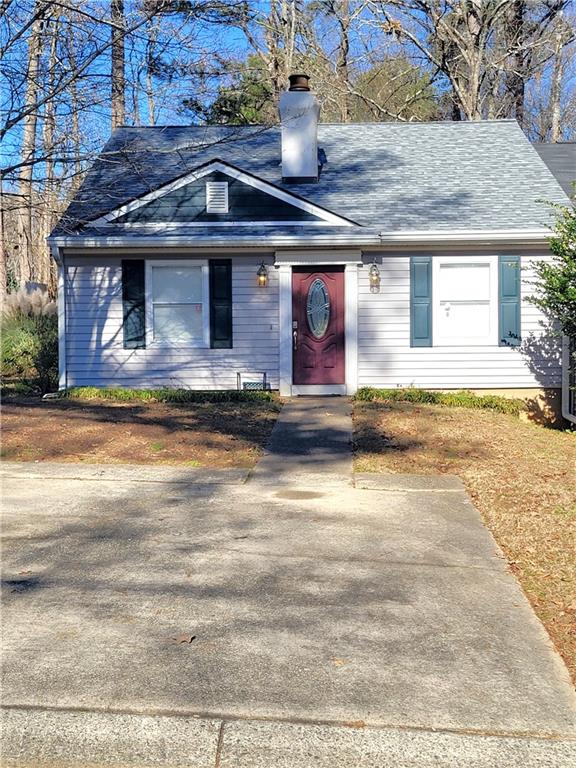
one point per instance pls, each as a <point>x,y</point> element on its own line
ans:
<point>216,197</point>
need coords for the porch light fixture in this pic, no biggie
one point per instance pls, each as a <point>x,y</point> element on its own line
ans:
<point>374,277</point>
<point>262,275</point>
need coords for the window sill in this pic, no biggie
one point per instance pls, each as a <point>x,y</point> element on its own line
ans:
<point>183,346</point>
<point>466,343</point>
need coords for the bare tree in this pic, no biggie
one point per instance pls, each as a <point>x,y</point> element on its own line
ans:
<point>485,49</point>
<point>117,78</point>
<point>563,36</point>
<point>25,215</point>
<point>273,38</point>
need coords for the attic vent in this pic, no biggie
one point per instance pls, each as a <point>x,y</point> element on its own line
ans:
<point>216,197</point>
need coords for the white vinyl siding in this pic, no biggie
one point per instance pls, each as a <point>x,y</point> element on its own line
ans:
<point>96,356</point>
<point>95,351</point>
<point>385,358</point>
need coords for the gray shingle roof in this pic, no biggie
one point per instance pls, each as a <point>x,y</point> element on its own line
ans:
<point>386,176</point>
<point>561,160</point>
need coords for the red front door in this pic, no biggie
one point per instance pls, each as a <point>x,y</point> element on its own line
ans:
<point>318,325</point>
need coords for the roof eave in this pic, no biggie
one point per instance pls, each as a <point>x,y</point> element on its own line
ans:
<point>407,238</point>
<point>116,241</point>
<point>536,236</point>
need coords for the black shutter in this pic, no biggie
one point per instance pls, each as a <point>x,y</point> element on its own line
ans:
<point>221,303</point>
<point>134,306</point>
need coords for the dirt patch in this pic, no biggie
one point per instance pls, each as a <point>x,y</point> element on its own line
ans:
<point>298,495</point>
<point>521,477</point>
<point>199,435</point>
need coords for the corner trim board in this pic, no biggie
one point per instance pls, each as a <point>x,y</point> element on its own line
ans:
<point>351,327</point>
<point>62,367</point>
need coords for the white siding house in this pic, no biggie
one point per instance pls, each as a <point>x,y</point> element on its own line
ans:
<point>323,257</point>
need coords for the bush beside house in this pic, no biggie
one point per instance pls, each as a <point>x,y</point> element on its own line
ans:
<point>29,340</point>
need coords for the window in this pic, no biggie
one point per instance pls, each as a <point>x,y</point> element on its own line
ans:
<point>177,303</point>
<point>465,301</point>
<point>216,197</point>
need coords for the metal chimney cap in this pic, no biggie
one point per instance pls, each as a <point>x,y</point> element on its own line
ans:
<point>299,82</point>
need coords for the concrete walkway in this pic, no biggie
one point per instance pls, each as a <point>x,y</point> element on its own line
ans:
<point>175,620</point>
<point>311,443</point>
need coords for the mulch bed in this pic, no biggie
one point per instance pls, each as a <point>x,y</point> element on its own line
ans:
<point>215,435</point>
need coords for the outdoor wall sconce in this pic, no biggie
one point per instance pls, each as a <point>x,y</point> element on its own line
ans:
<point>262,275</point>
<point>374,278</point>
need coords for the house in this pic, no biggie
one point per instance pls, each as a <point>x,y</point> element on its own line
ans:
<point>311,258</point>
<point>561,160</point>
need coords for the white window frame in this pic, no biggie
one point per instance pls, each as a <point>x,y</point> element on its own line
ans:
<point>150,341</point>
<point>472,341</point>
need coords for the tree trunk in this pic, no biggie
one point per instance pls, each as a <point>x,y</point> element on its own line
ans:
<point>76,137</point>
<point>48,212</point>
<point>3,250</point>
<point>117,57</point>
<point>150,44</point>
<point>556,90</point>
<point>456,115</point>
<point>342,60</point>
<point>24,215</point>
<point>515,77</point>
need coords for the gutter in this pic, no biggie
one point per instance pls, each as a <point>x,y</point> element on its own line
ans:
<point>476,236</point>
<point>115,241</point>
<point>358,238</point>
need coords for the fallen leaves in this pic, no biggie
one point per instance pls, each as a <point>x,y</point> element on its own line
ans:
<point>185,638</point>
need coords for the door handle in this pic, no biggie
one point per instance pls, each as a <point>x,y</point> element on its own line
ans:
<point>295,339</point>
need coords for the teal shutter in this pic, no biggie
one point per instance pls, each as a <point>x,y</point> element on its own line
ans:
<point>221,303</point>
<point>420,301</point>
<point>133,300</point>
<point>509,301</point>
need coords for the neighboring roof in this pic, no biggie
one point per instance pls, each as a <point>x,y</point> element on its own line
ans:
<point>391,177</point>
<point>561,160</point>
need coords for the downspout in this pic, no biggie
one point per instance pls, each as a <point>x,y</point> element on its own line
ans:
<point>566,413</point>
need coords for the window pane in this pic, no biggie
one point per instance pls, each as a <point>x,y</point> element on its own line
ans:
<point>178,323</point>
<point>177,284</point>
<point>465,320</point>
<point>464,282</point>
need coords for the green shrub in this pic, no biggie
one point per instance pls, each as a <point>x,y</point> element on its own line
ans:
<point>18,346</point>
<point>46,358</point>
<point>462,399</point>
<point>29,340</point>
<point>171,395</point>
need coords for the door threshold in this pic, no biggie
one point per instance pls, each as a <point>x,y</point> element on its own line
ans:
<point>318,389</point>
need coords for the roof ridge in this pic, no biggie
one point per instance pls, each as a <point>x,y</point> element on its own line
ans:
<point>255,126</point>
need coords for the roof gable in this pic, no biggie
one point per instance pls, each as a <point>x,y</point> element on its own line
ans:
<point>251,201</point>
<point>388,178</point>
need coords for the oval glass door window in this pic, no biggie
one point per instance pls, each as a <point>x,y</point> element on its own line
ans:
<point>318,308</point>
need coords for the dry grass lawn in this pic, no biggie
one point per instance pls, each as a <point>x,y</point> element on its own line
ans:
<point>522,478</point>
<point>215,435</point>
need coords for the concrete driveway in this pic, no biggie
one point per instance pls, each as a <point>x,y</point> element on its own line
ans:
<point>188,618</point>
